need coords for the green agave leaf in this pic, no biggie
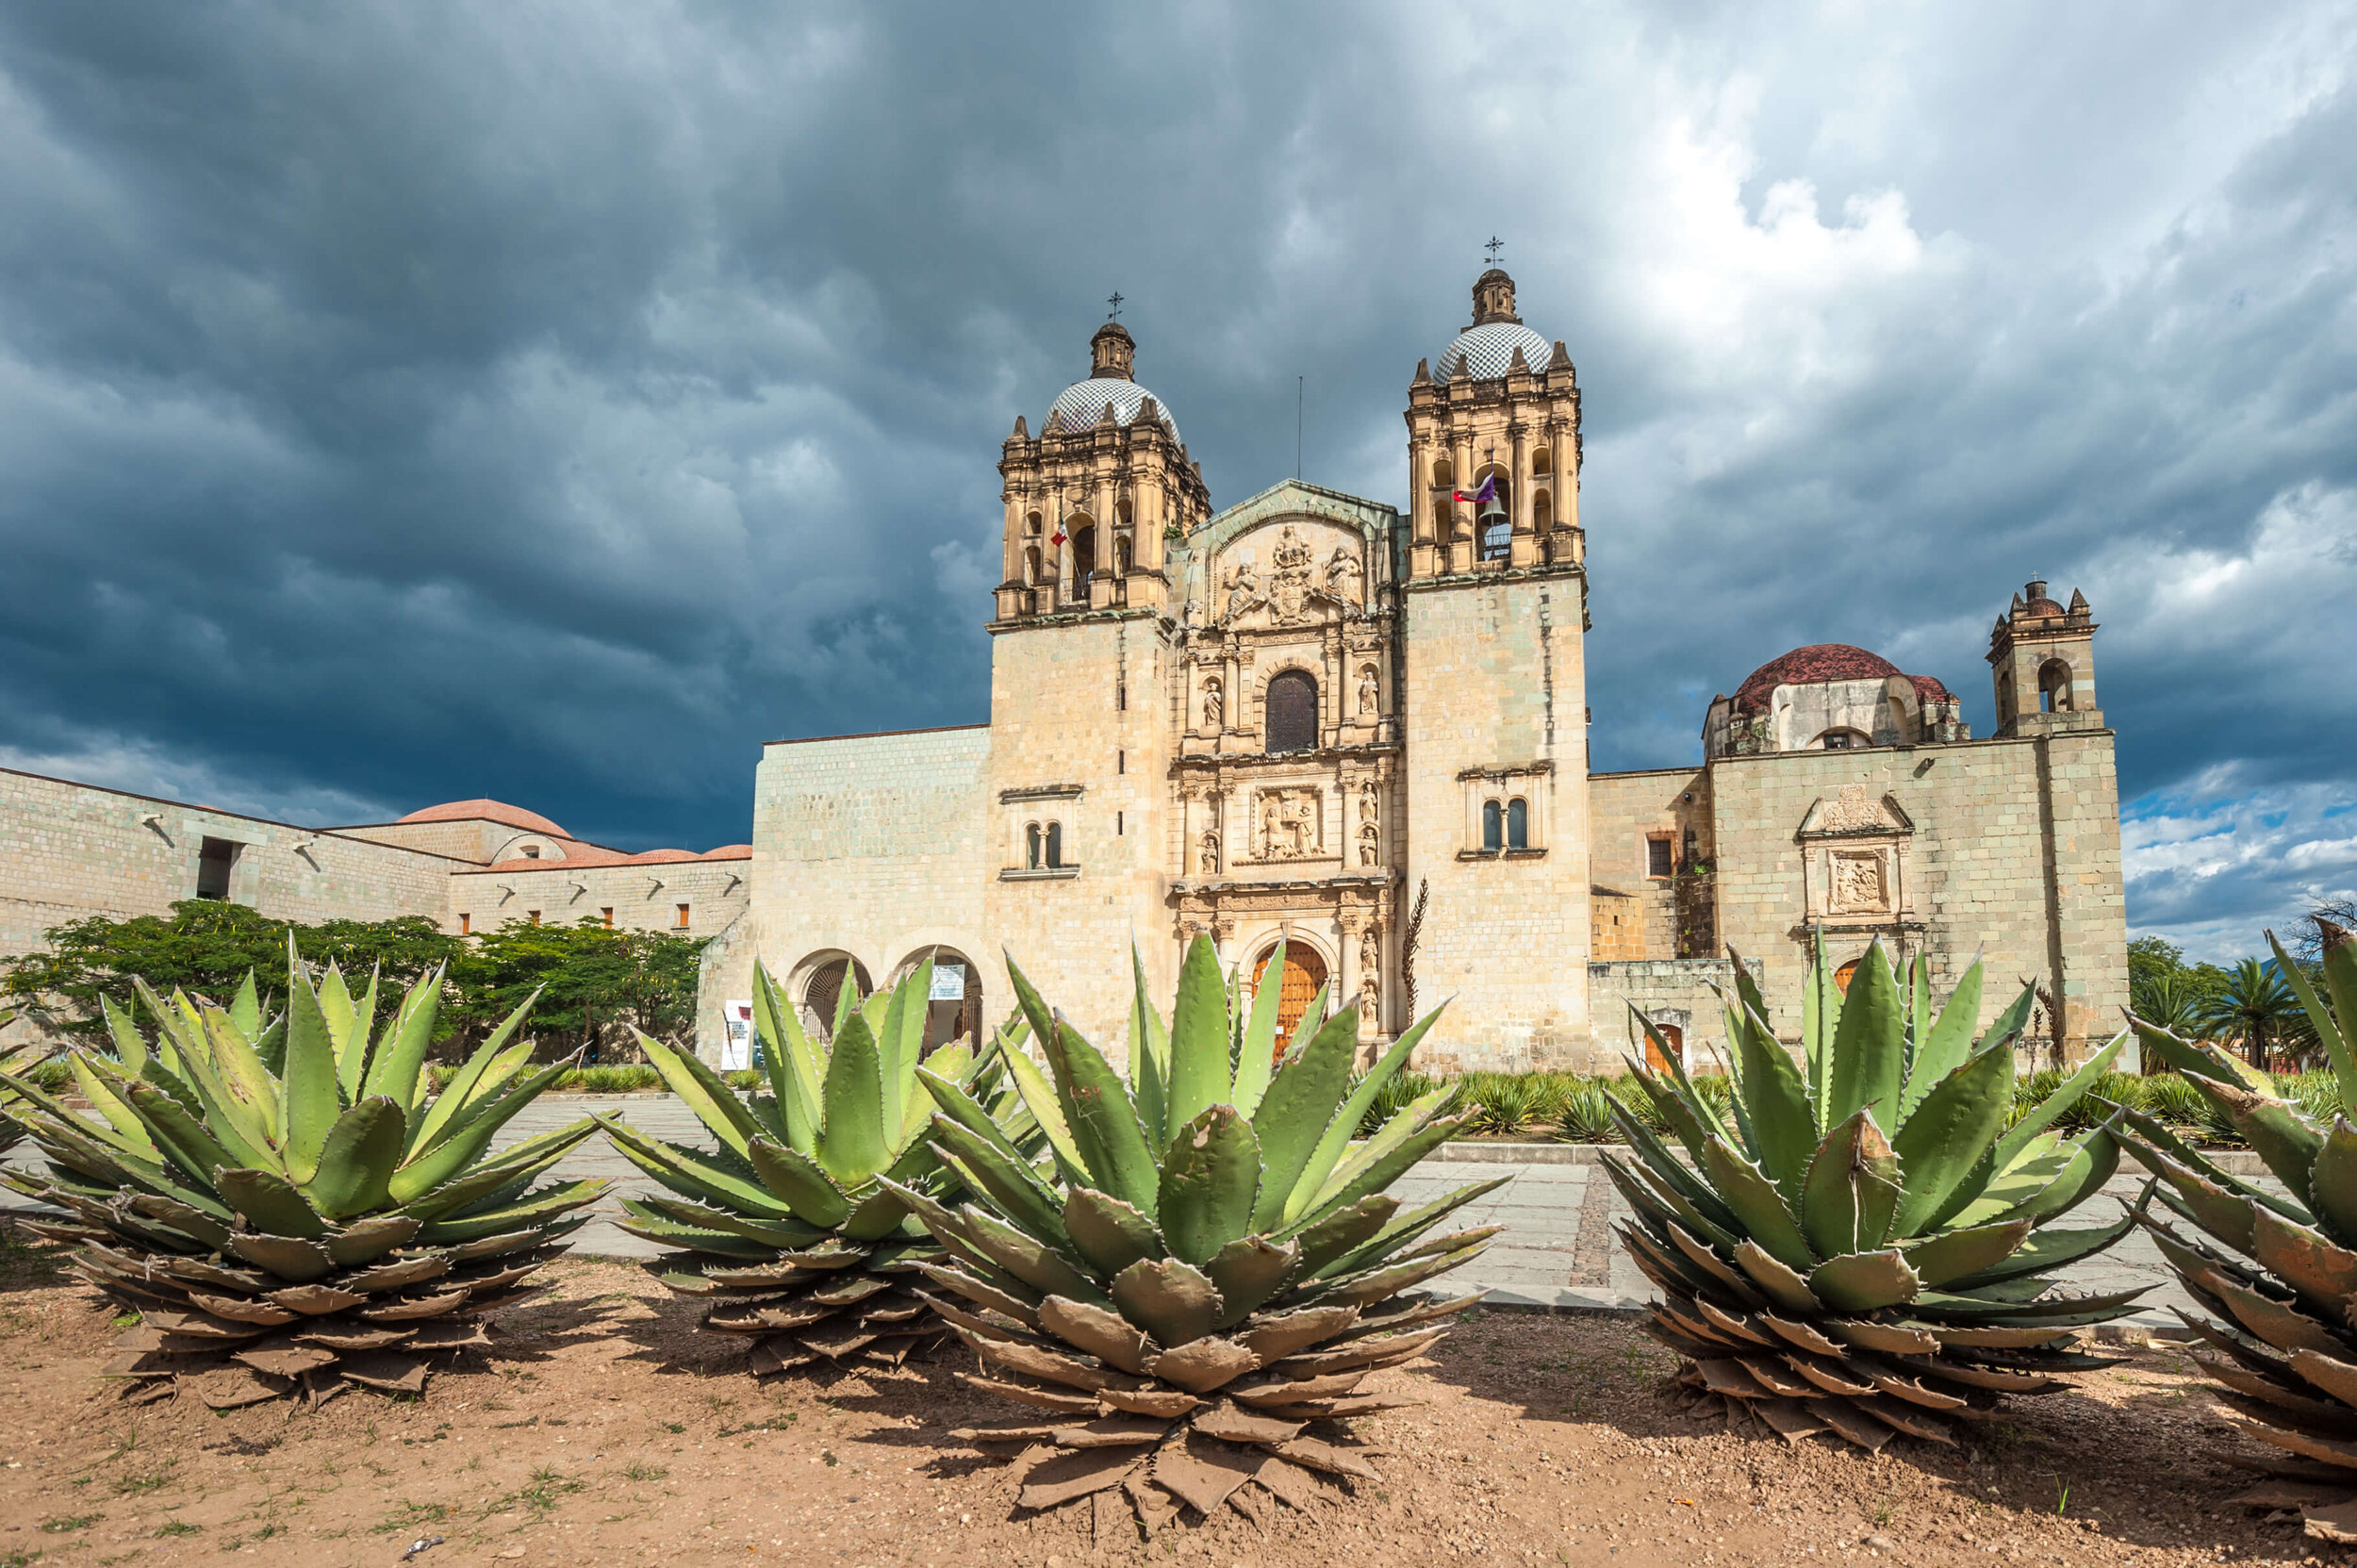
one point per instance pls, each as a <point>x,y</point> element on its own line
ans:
<point>1297,1109</point>
<point>790,1058</point>
<point>1759,1209</point>
<point>1028,1258</point>
<point>399,1059</point>
<point>1770,1087</point>
<point>690,1172</point>
<point>900,1039</point>
<point>130,1045</point>
<point>459,1092</point>
<point>1039,1097</point>
<point>357,1159</point>
<point>1198,1037</point>
<point>1852,1189</point>
<point>184,1139</point>
<point>1209,1180</point>
<point>269,1203</point>
<point>806,1186</point>
<point>352,1052</point>
<point>1785,1286</point>
<point>2068,1094</point>
<point>461,1147</point>
<point>1150,1056</point>
<point>2320,1018</point>
<point>1666,1169</point>
<point>851,1136</point>
<point>876,1216</point>
<point>309,1100</point>
<point>121,1128</point>
<point>1867,1044</point>
<point>1371,1166</point>
<point>532,1209</point>
<point>1944,1047</point>
<point>1698,1111</point>
<point>2096,1159</point>
<point>1247,1272</point>
<point>1821,1014</point>
<point>1956,1124</point>
<point>1403,1229</point>
<point>2045,1252</point>
<point>2276,1134</point>
<point>1972,1252</point>
<point>1102,1122</point>
<point>2332,1182</point>
<point>245,1007</point>
<point>1256,1057</point>
<point>1340,1232</point>
<point>1109,1234</point>
<point>2009,1023</point>
<point>1174,1302</point>
<point>176,1031</point>
<point>703,1091</point>
<point>1344,1125</point>
<point>1003,1176</point>
<point>1864,1281</point>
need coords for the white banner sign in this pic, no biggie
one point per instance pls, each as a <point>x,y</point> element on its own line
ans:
<point>948,983</point>
<point>736,1046</point>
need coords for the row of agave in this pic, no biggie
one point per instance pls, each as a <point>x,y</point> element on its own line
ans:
<point>1184,1275</point>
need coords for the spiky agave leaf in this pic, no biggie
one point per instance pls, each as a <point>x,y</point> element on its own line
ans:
<point>282,1203</point>
<point>1213,1269</point>
<point>2276,1270</point>
<point>784,1226</point>
<point>1861,1246</point>
<point>14,1061</point>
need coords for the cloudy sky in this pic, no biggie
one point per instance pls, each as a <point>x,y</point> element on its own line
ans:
<point>403,401</point>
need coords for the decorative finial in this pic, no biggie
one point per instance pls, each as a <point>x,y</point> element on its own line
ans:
<point>1494,247</point>
<point>1114,299</point>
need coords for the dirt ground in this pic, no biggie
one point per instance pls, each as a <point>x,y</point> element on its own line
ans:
<point>605,1430</point>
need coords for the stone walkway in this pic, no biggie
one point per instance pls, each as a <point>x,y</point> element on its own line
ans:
<point>1558,1252</point>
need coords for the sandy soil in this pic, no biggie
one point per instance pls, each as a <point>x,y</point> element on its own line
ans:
<point>605,1431</point>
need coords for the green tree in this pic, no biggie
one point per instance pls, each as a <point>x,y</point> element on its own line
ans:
<point>2254,1004</point>
<point>595,981</point>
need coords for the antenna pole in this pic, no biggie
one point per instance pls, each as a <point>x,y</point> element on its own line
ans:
<point>1300,394</point>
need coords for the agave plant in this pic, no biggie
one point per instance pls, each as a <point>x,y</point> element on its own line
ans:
<point>1211,1271</point>
<point>278,1202</point>
<point>14,1061</point>
<point>787,1230</point>
<point>2277,1269</point>
<point>1862,1245</point>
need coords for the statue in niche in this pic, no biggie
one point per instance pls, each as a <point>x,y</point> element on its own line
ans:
<point>1214,708</point>
<point>1367,844</point>
<point>1344,576</point>
<point>1211,853</point>
<point>1370,962</point>
<point>1370,690</point>
<point>1368,802</point>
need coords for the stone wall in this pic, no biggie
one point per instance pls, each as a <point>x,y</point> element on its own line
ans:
<point>872,846</point>
<point>644,897</point>
<point>75,850</point>
<point>1677,994</point>
<point>1493,703</point>
<point>1628,811</point>
<point>2008,846</point>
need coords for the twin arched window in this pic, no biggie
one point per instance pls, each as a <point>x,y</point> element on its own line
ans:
<point>1291,713</point>
<point>1043,849</point>
<point>1506,825</point>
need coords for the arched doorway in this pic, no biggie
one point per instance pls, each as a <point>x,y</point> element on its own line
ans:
<point>1305,971</point>
<point>1842,977</point>
<point>823,988</point>
<point>1677,1039</point>
<point>953,1005</point>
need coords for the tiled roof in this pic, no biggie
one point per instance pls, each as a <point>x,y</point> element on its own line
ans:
<point>488,811</point>
<point>1823,662</point>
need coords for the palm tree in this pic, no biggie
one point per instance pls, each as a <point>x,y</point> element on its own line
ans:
<point>2254,1003</point>
<point>2173,1003</point>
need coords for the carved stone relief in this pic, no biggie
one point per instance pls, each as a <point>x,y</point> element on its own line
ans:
<point>1291,823</point>
<point>1211,853</point>
<point>1860,882</point>
<point>1370,691</point>
<point>1214,708</point>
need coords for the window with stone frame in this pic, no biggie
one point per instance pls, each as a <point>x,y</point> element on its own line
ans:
<point>1518,823</point>
<point>1290,712</point>
<point>1660,856</point>
<point>1492,826</point>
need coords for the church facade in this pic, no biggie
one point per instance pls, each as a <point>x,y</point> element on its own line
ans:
<point>1314,717</point>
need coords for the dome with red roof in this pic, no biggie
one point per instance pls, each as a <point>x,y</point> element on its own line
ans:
<point>728,852</point>
<point>1812,666</point>
<point>488,811</point>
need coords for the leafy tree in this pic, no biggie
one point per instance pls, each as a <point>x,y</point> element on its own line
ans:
<point>595,981</point>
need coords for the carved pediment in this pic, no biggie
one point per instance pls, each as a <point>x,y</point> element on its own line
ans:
<point>1317,577</point>
<point>1854,813</point>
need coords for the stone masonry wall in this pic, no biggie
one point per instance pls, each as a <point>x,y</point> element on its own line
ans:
<point>1626,810</point>
<point>643,898</point>
<point>75,849</point>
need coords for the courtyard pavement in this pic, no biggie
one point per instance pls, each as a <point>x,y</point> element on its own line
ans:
<point>1558,1251</point>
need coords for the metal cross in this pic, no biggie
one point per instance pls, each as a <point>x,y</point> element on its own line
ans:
<point>1114,299</point>
<point>1495,245</point>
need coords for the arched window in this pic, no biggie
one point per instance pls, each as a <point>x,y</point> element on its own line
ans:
<point>1292,712</point>
<point>2054,687</point>
<point>1121,555</point>
<point>823,991</point>
<point>1030,568</point>
<point>1055,843</point>
<point>1843,740</point>
<point>1541,512</point>
<point>1494,533</point>
<point>1492,825</point>
<point>1083,553</point>
<point>1518,824</point>
<point>1121,514</point>
<point>1031,847</point>
<point>1444,475</point>
<point>1542,462</point>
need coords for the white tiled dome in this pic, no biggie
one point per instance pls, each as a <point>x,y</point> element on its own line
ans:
<point>1083,402</point>
<point>1489,349</point>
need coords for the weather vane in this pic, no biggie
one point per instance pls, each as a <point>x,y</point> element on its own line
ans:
<point>1494,247</point>
<point>1114,299</point>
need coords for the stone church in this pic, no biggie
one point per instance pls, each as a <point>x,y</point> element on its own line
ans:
<point>1310,716</point>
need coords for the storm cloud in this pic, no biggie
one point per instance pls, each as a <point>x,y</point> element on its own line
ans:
<point>403,403</point>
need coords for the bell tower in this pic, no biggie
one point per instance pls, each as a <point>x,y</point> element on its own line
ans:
<point>2041,656</point>
<point>1493,693</point>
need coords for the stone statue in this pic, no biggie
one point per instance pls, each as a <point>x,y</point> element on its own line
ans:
<point>1211,853</point>
<point>1213,709</point>
<point>1370,965</point>
<point>1370,691</point>
<point>1367,802</point>
<point>1366,844</point>
<point>1344,576</point>
<point>1243,589</point>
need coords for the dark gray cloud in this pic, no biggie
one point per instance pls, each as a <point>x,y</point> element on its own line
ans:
<point>402,403</point>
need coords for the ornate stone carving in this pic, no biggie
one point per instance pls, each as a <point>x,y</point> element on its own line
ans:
<point>1243,590</point>
<point>1860,885</point>
<point>1370,968</point>
<point>1211,853</point>
<point>1370,690</point>
<point>1215,706</point>
<point>1291,823</point>
<point>1852,811</point>
<point>1370,801</point>
<point>1367,844</point>
<point>1289,586</point>
<point>1345,578</point>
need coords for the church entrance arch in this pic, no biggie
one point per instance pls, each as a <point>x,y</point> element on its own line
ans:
<point>822,988</point>
<point>953,1005</point>
<point>1305,971</point>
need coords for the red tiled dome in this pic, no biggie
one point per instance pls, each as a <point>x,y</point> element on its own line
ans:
<point>488,811</point>
<point>1818,662</point>
<point>728,852</point>
<point>2043,606</point>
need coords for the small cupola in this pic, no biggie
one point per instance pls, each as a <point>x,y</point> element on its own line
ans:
<point>1494,298</point>
<point>1111,352</point>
